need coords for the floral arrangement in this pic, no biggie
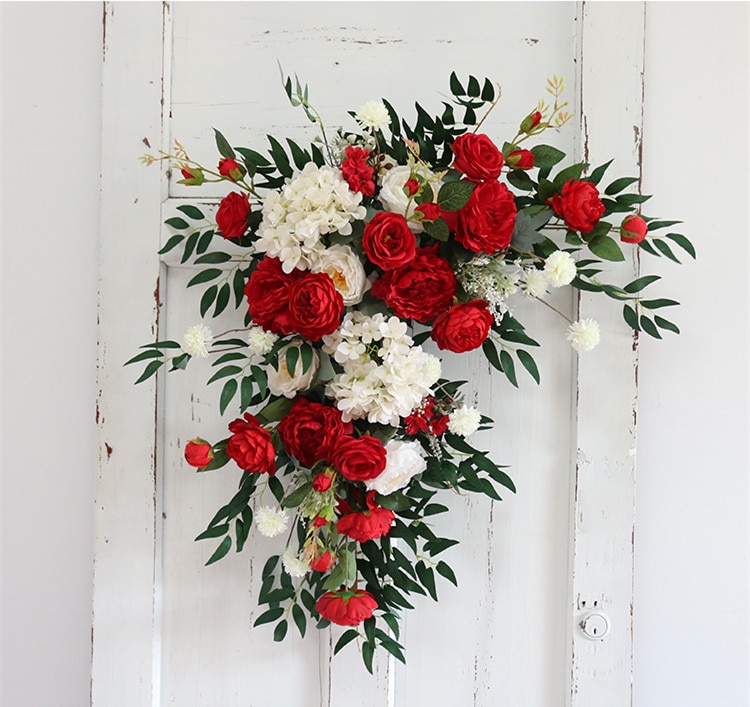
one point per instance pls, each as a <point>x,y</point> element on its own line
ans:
<point>342,260</point>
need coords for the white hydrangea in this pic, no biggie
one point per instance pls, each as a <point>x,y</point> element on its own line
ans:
<point>315,202</point>
<point>464,421</point>
<point>282,382</point>
<point>260,341</point>
<point>403,461</point>
<point>345,268</point>
<point>560,269</point>
<point>196,341</point>
<point>385,376</point>
<point>395,199</point>
<point>534,283</point>
<point>271,521</point>
<point>584,334</point>
<point>293,565</point>
<point>373,115</point>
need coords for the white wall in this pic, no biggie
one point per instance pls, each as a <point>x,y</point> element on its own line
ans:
<point>691,582</point>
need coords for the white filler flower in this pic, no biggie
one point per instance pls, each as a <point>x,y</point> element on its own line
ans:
<point>560,269</point>
<point>260,341</point>
<point>196,340</point>
<point>271,521</point>
<point>293,566</point>
<point>583,335</point>
<point>373,115</point>
<point>464,421</point>
<point>403,461</point>
<point>534,284</point>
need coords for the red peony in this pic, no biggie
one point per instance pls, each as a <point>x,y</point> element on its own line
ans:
<point>477,157</point>
<point>521,159</point>
<point>579,205</point>
<point>359,458</point>
<point>347,608</point>
<point>230,169</point>
<point>309,431</point>
<point>388,241</point>
<point>633,229</point>
<point>366,525</point>
<point>357,173</point>
<point>485,224</point>
<point>315,306</point>
<point>419,290</point>
<point>250,446</point>
<point>463,327</point>
<point>232,215</point>
<point>198,452</point>
<point>267,292</point>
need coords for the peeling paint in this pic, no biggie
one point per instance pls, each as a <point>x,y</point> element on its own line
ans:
<point>109,450</point>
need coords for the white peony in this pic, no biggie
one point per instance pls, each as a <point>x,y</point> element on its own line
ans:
<point>583,335</point>
<point>373,115</point>
<point>196,340</point>
<point>560,269</point>
<point>403,461</point>
<point>260,341</point>
<point>464,421</point>
<point>293,565</point>
<point>281,382</point>
<point>346,270</point>
<point>271,521</point>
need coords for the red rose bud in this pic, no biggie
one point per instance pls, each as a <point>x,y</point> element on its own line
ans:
<point>430,211</point>
<point>347,608</point>
<point>319,522</point>
<point>198,452</point>
<point>230,169</point>
<point>322,561</point>
<point>322,482</point>
<point>520,159</point>
<point>411,187</point>
<point>633,229</point>
<point>531,121</point>
<point>193,176</point>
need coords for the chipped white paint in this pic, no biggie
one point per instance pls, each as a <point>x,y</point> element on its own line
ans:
<point>169,631</point>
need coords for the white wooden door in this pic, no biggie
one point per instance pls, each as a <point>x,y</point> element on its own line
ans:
<point>169,631</point>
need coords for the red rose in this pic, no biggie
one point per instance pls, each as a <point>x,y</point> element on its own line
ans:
<point>477,157</point>
<point>315,306</point>
<point>388,241</point>
<point>322,561</point>
<point>430,211</point>
<point>521,159</point>
<point>231,217</point>
<point>359,458</point>
<point>579,205</point>
<point>250,446</point>
<point>230,169</point>
<point>357,172</point>
<point>366,525</point>
<point>347,608</point>
<point>420,289</point>
<point>485,224</point>
<point>463,327</point>
<point>267,292</point>
<point>198,452</point>
<point>633,229</point>
<point>309,430</point>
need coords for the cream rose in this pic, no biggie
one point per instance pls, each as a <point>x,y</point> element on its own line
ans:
<point>341,263</point>
<point>281,382</point>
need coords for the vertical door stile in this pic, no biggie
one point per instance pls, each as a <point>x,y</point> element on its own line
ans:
<point>610,75</point>
<point>126,492</point>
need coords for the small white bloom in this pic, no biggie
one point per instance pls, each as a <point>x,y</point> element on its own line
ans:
<point>464,421</point>
<point>534,283</point>
<point>271,521</point>
<point>373,115</point>
<point>293,565</point>
<point>260,341</point>
<point>345,268</point>
<point>403,461</point>
<point>583,335</point>
<point>281,382</point>
<point>560,269</point>
<point>196,340</point>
